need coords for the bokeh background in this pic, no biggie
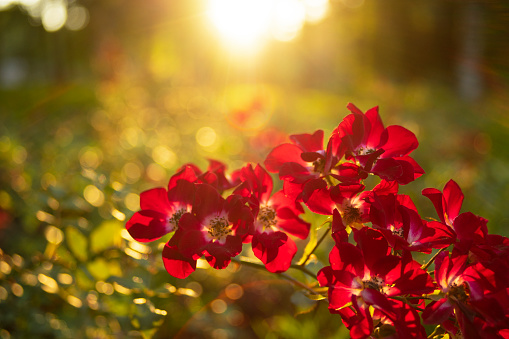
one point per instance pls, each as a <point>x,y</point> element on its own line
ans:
<point>100,100</point>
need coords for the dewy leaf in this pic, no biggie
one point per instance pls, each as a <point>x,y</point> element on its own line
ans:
<point>77,243</point>
<point>106,235</point>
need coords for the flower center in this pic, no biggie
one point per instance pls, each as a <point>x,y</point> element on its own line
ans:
<point>267,216</point>
<point>459,293</point>
<point>219,228</point>
<point>351,214</point>
<point>365,151</point>
<point>398,232</point>
<point>375,283</point>
<point>173,221</point>
<point>319,165</point>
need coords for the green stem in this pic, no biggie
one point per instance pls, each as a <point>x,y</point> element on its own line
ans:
<point>426,265</point>
<point>316,246</point>
<point>252,263</point>
<point>256,264</point>
<point>300,284</point>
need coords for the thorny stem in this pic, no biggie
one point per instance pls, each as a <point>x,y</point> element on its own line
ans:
<point>426,265</point>
<point>316,246</point>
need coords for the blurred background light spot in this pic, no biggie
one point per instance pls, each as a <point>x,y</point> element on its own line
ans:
<point>19,155</point>
<point>93,195</point>
<point>54,235</point>
<point>132,201</point>
<point>53,15</point>
<point>235,318</point>
<point>17,260</point>
<point>104,287</point>
<point>44,216</point>
<point>160,312</point>
<point>5,200</point>
<point>77,18</point>
<point>65,278</point>
<point>118,215</point>
<point>5,268</point>
<point>187,291</point>
<point>74,301</point>
<point>121,289</point>
<point>140,301</point>
<point>130,137</point>
<point>17,290</point>
<point>156,173</point>
<point>90,157</point>
<point>218,306</point>
<point>206,136</point>
<point>3,293</point>
<point>234,291</point>
<point>196,287</point>
<point>48,284</point>
<point>131,172</point>
<point>164,156</point>
<point>53,203</point>
<point>219,333</point>
<point>133,254</point>
<point>29,279</point>
<point>48,180</point>
<point>138,247</point>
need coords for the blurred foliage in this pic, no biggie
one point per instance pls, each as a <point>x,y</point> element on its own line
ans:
<point>91,118</point>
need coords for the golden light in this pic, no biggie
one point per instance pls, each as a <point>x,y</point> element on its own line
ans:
<point>247,24</point>
<point>242,23</point>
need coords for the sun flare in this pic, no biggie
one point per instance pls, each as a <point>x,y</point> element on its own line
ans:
<point>247,24</point>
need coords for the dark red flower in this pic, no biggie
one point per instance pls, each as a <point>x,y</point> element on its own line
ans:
<point>214,228</point>
<point>396,216</point>
<point>362,137</point>
<point>161,210</point>
<point>368,275</point>
<point>274,216</point>
<point>472,293</point>
<point>300,161</point>
<point>215,175</point>
<point>467,230</point>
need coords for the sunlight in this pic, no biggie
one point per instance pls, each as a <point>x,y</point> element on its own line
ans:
<point>247,24</point>
<point>242,23</point>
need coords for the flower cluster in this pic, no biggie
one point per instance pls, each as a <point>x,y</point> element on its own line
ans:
<point>373,281</point>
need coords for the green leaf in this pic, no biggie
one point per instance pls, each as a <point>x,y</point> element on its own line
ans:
<point>309,246</point>
<point>106,235</point>
<point>77,243</point>
<point>316,296</point>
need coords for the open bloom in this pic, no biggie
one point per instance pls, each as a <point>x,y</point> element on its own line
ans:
<point>474,294</point>
<point>274,217</point>
<point>362,137</point>
<point>299,162</point>
<point>367,276</point>
<point>215,227</point>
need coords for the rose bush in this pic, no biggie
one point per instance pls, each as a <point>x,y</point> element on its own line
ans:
<point>373,281</point>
